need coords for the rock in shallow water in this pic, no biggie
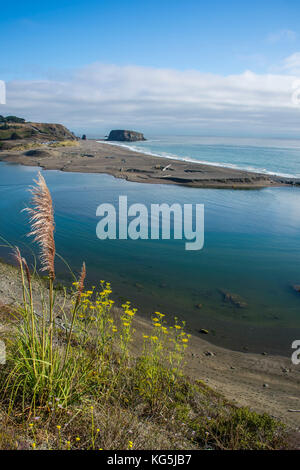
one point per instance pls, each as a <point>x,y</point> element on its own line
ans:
<point>234,299</point>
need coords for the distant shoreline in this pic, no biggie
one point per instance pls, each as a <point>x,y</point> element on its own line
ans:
<point>94,156</point>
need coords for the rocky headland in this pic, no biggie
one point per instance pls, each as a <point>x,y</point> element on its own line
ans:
<point>16,133</point>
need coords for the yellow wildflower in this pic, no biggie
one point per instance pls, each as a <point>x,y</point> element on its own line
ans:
<point>130,313</point>
<point>159,314</point>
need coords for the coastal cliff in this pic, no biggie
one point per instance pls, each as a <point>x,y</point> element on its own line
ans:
<point>17,132</point>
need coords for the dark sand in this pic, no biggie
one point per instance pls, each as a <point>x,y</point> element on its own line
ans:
<point>93,157</point>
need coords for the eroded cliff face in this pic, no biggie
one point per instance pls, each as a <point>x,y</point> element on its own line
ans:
<point>125,136</point>
<point>16,134</point>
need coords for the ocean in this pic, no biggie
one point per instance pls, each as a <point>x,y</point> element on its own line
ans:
<point>269,156</point>
<point>251,247</point>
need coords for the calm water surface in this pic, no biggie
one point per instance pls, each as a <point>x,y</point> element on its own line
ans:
<point>252,249</point>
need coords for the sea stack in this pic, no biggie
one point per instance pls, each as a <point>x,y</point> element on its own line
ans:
<point>125,136</point>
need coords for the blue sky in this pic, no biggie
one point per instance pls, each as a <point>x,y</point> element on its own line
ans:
<point>216,36</point>
<point>54,41</point>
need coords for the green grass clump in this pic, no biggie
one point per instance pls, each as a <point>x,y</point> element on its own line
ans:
<point>6,133</point>
<point>240,428</point>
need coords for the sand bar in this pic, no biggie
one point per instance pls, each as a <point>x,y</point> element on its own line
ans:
<point>92,156</point>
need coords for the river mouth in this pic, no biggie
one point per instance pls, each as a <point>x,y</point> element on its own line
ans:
<point>238,287</point>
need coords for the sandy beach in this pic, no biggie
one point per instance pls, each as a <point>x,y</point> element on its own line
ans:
<point>264,383</point>
<point>91,156</point>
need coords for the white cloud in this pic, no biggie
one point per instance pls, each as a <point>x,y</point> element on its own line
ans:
<point>283,35</point>
<point>292,63</point>
<point>2,92</point>
<point>99,97</point>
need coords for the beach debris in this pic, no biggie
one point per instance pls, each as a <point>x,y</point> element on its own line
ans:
<point>199,306</point>
<point>234,299</point>
<point>138,170</point>
<point>296,287</point>
<point>266,385</point>
<point>264,353</point>
<point>209,353</point>
<point>166,167</point>
<point>294,411</point>
<point>191,170</point>
<point>203,331</point>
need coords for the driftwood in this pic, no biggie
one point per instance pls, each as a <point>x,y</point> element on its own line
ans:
<point>166,167</point>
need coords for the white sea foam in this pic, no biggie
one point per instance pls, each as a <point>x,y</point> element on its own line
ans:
<point>202,162</point>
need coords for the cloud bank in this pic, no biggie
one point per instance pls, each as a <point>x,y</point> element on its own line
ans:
<point>99,97</point>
